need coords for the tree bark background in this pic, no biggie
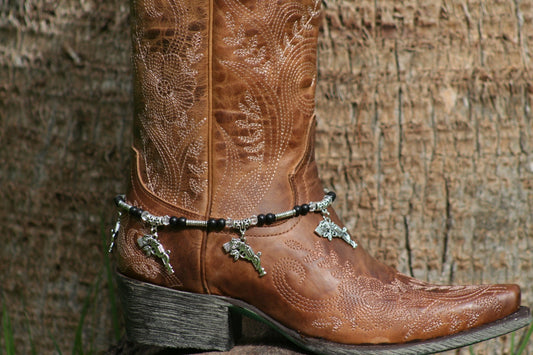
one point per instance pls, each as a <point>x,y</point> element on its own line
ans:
<point>425,131</point>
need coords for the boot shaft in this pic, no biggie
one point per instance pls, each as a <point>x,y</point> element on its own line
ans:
<point>224,101</point>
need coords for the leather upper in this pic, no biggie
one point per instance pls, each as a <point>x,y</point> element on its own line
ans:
<point>224,127</point>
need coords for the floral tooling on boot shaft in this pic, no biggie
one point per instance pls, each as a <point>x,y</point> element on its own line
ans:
<point>267,54</point>
<point>267,51</point>
<point>168,91</point>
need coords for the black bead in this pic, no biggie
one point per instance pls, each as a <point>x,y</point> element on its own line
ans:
<point>298,210</point>
<point>305,209</point>
<point>182,222</point>
<point>221,223</point>
<point>261,220</point>
<point>270,218</point>
<point>332,194</point>
<point>211,224</point>
<point>173,221</point>
<point>136,211</point>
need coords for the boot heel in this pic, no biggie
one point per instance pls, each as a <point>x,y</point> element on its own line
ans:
<point>164,317</point>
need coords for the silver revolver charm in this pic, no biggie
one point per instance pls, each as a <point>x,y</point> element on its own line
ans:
<point>328,229</point>
<point>149,243</point>
<point>240,250</point>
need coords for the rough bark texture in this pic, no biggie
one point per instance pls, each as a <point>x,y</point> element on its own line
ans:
<point>425,131</point>
<point>65,115</point>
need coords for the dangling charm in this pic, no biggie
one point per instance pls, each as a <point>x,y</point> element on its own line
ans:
<point>240,250</point>
<point>150,244</point>
<point>329,229</point>
<point>114,233</point>
<point>236,247</point>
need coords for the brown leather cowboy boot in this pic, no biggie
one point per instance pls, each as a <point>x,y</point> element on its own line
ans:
<point>225,211</point>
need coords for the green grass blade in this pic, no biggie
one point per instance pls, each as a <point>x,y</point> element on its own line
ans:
<point>56,345</point>
<point>471,350</point>
<point>524,341</point>
<point>28,328</point>
<point>513,335</point>
<point>77,349</point>
<point>110,283</point>
<point>8,330</point>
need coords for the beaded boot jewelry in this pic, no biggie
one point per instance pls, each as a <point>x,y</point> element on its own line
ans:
<point>225,212</point>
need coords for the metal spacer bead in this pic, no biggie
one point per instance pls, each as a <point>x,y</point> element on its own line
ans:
<point>285,215</point>
<point>322,205</point>
<point>156,221</point>
<point>195,223</point>
<point>243,224</point>
<point>123,205</point>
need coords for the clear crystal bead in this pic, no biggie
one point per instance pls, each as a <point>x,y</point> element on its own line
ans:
<point>145,216</point>
<point>166,220</point>
<point>229,223</point>
<point>253,220</point>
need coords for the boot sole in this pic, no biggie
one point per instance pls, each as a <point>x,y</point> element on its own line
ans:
<point>165,317</point>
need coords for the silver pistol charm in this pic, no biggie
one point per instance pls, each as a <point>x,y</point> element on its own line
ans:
<point>150,244</point>
<point>328,229</point>
<point>240,250</point>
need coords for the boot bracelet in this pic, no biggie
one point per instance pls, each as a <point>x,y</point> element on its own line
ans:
<point>236,247</point>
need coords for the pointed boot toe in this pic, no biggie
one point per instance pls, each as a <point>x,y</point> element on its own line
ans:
<point>498,302</point>
<point>510,297</point>
<point>448,310</point>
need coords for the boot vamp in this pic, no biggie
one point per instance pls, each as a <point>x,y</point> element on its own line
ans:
<point>327,289</point>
